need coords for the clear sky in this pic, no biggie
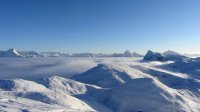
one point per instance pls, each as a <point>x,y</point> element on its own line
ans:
<point>100,25</point>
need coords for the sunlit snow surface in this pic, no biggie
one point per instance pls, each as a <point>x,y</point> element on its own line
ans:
<point>98,84</point>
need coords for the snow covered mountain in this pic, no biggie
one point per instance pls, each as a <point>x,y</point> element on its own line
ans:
<point>166,56</point>
<point>153,56</point>
<point>10,53</point>
<point>15,53</point>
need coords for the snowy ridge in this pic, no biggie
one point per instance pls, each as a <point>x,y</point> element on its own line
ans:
<point>33,91</point>
<point>166,56</point>
<point>68,86</point>
<point>145,94</point>
<point>104,75</point>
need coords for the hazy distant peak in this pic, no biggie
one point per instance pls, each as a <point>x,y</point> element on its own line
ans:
<point>169,52</point>
<point>127,53</point>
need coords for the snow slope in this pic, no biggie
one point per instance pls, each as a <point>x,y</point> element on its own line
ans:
<point>33,91</point>
<point>158,91</point>
<point>104,75</point>
<point>91,94</point>
<point>149,95</point>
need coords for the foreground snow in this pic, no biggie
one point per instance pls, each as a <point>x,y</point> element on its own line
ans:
<point>103,85</point>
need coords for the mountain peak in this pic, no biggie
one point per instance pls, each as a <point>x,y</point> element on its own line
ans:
<point>127,53</point>
<point>13,51</point>
<point>153,56</point>
<point>150,52</point>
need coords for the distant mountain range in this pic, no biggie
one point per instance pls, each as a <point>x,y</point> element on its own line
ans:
<point>16,53</point>
<point>150,55</point>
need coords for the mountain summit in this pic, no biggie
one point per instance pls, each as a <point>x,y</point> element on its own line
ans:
<point>10,53</point>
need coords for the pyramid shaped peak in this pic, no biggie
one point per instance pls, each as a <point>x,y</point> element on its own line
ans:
<point>13,52</point>
<point>150,52</point>
<point>127,51</point>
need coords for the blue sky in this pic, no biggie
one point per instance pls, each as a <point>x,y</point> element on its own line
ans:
<point>100,25</point>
